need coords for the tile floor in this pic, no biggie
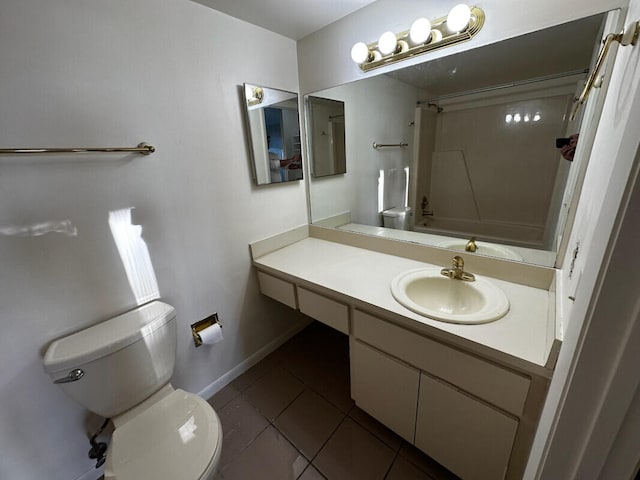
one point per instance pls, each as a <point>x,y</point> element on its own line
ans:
<point>291,417</point>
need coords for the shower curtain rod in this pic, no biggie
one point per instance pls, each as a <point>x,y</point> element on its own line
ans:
<point>505,85</point>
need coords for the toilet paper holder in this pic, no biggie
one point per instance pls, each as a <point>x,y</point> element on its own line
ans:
<point>197,327</point>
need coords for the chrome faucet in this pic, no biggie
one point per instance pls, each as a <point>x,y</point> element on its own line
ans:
<point>457,272</point>
<point>471,245</point>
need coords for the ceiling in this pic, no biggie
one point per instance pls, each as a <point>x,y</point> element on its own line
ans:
<point>292,18</point>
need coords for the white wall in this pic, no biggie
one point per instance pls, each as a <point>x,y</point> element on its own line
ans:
<point>95,73</point>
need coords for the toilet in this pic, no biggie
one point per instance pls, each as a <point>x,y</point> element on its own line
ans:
<point>120,369</point>
<point>397,218</point>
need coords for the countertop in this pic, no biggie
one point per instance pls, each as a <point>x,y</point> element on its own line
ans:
<point>364,276</point>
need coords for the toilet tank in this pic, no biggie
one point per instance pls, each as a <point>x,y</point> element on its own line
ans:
<point>397,218</point>
<point>123,360</point>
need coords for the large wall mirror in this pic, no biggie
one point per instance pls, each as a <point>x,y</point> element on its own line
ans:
<point>273,129</point>
<point>476,146</point>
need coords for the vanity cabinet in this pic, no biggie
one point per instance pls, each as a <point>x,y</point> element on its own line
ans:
<point>323,309</point>
<point>462,410</point>
<point>326,310</point>
<point>474,413</point>
<point>278,289</point>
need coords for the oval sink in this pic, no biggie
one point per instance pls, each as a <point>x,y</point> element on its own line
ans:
<point>426,292</point>
<point>483,249</point>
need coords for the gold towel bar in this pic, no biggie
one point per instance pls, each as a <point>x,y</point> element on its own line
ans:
<point>142,148</point>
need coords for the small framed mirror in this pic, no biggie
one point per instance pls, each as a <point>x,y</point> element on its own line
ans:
<point>273,129</point>
<point>325,118</point>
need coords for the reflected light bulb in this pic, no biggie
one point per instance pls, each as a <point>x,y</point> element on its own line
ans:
<point>387,43</point>
<point>420,31</point>
<point>360,52</point>
<point>458,18</point>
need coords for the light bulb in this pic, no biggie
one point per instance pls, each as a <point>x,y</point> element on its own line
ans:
<point>387,43</point>
<point>527,117</point>
<point>420,31</point>
<point>517,118</point>
<point>536,117</point>
<point>360,52</point>
<point>458,18</point>
<point>508,118</point>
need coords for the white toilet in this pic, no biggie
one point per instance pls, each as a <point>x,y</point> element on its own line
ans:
<point>120,369</point>
<point>396,218</point>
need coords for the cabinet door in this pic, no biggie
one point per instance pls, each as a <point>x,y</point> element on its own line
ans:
<point>470,438</point>
<point>385,388</point>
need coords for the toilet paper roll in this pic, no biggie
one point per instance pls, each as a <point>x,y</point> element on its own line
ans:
<point>211,335</point>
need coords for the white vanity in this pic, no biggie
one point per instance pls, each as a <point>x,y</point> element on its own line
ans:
<point>467,395</point>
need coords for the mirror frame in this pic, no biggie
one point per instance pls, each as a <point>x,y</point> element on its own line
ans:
<point>283,163</point>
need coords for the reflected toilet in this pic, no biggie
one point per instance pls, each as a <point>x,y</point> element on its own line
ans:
<point>397,218</point>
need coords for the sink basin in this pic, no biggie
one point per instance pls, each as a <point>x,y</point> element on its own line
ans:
<point>483,249</point>
<point>426,292</point>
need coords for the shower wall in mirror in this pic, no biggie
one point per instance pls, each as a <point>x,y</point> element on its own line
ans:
<point>481,160</point>
<point>273,131</point>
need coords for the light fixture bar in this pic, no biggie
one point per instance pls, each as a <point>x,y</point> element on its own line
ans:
<point>440,37</point>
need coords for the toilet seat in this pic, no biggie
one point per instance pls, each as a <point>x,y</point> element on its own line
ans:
<point>179,436</point>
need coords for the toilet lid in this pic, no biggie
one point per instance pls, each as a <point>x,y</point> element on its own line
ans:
<point>175,438</point>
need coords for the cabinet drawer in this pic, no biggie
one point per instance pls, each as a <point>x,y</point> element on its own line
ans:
<point>326,310</point>
<point>277,289</point>
<point>499,386</point>
<point>385,388</point>
<point>470,438</point>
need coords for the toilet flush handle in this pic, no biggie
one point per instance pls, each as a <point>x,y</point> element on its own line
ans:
<point>74,375</point>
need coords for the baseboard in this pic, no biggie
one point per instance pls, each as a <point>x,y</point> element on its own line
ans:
<point>235,372</point>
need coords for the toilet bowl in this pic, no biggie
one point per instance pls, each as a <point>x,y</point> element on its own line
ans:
<point>120,369</point>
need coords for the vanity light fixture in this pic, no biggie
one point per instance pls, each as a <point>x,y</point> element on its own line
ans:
<point>461,24</point>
